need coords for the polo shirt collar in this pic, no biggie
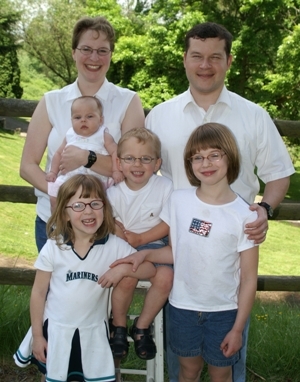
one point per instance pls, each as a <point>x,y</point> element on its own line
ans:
<point>224,98</point>
<point>96,242</point>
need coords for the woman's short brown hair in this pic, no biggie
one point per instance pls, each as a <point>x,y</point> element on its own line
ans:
<point>215,136</point>
<point>59,227</point>
<point>98,24</point>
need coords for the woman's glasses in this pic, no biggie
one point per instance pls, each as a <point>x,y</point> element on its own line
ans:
<point>87,51</point>
<point>80,206</point>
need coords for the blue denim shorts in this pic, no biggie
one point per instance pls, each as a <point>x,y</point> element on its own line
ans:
<point>195,334</point>
<point>165,241</point>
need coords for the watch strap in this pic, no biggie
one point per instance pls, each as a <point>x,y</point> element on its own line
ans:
<point>268,208</point>
<point>91,159</point>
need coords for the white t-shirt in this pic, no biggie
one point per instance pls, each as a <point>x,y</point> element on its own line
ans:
<point>139,210</point>
<point>206,243</point>
<point>259,142</point>
<point>115,101</point>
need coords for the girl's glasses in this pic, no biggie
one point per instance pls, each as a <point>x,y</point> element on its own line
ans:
<point>213,157</point>
<point>80,206</point>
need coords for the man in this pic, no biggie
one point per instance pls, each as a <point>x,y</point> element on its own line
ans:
<point>207,59</point>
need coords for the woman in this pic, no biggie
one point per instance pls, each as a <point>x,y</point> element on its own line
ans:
<point>92,47</point>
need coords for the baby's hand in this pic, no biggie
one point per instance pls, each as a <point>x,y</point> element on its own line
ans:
<point>51,176</point>
<point>118,176</point>
<point>39,348</point>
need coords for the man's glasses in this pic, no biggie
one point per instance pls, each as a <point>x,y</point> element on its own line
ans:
<point>87,51</point>
<point>80,206</point>
<point>213,157</point>
<point>144,159</point>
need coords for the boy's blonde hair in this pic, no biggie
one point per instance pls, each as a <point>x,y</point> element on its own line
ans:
<point>212,136</point>
<point>143,136</point>
<point>59,227</point>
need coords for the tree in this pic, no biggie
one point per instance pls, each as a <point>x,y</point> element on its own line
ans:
<point>284,85</point>
<point>48,37</point>
<point>9,68</point>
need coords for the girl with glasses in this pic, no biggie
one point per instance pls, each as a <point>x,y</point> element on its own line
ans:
<point>69,339</point>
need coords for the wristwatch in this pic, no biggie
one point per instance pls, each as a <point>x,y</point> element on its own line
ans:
<point>92,158</point>
<point>268,208</point>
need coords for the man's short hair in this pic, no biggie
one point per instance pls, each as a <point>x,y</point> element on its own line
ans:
<point>209,30</point>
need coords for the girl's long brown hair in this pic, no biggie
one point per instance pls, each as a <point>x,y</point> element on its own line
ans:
<point>59,227</point>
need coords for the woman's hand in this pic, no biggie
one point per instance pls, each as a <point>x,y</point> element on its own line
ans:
<point>72,157</point>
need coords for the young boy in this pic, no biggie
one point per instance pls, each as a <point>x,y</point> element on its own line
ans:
<point>137,203</point>
<point>87,132</point>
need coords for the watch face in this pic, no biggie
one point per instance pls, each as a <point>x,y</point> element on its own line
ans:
<point>92,157</point>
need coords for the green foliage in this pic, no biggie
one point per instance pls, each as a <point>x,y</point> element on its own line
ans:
<point>284,83</point>
<point>48,38</point>
<point>9,68</point>
<point>33,80</point>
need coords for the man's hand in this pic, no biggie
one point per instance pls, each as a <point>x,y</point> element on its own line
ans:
<point>257,230</point>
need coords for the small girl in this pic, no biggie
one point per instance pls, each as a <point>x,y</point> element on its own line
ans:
<point>215,265</point>
<point>69,339</point>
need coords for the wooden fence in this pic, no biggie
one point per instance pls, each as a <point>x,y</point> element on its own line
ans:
<point>287,210</point>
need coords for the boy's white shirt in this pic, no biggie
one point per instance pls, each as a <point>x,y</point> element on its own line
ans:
<point>139,210</point>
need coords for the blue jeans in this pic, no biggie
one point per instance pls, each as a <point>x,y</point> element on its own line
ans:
<point>40,233</point>
<point>238,370</point>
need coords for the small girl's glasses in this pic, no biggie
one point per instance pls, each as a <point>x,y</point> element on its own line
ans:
<point>213,157</point>
<point>80,206</point>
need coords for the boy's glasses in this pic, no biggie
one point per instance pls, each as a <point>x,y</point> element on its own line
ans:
<point>80,206</point>
<point>144,159</point>
<point>87,51</point>
<point>213,157</point>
